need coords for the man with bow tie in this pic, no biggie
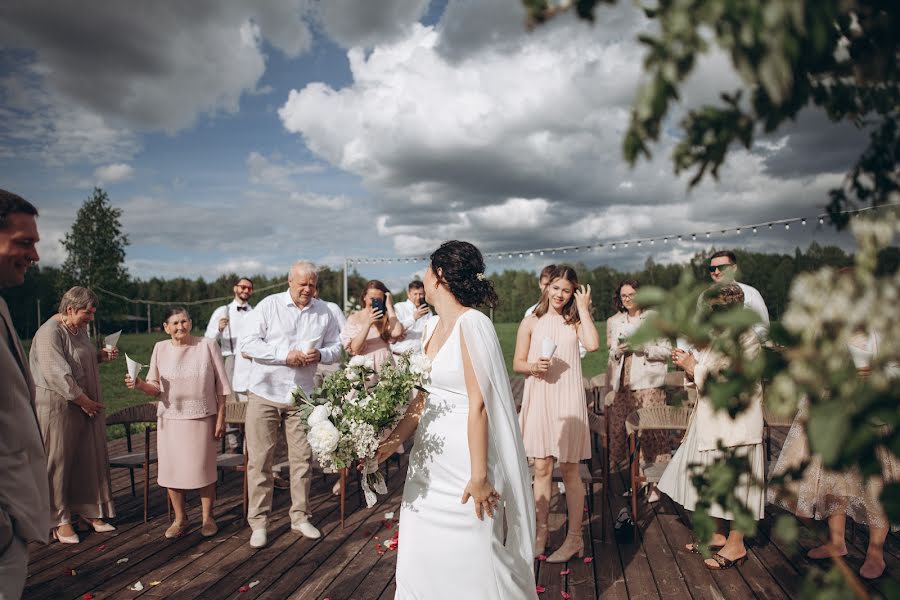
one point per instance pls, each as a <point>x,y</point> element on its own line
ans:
<point>226,326</point>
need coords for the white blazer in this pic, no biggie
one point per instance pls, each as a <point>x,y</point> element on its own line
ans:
<point>648,366</point>
<point>714,426</point>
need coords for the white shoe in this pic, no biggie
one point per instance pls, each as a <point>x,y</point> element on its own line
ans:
<point>258,538</point>
<point>561,486</point>
<point>308,530</point>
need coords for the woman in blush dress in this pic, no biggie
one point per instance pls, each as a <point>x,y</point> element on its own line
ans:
<point>554,417</point>
<point>188,376</point>
<point>368,332</point>
<point>467,514</point>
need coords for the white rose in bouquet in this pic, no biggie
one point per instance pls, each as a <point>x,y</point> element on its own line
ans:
<point>351,374</point>
<point>420,364</point>
<point>369,362</point>
<point>323,437</point>
<point>357,361</point>
<point>319,414</point>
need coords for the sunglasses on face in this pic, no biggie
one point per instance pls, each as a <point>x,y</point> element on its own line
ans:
<point>714,268</point>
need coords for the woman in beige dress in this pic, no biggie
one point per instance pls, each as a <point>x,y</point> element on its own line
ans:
<point>832,496</point>
<point>188,376</point>
<point>64,362</point>
<point>554,418</point>
<point>708,430</point>
<point>637,377</point>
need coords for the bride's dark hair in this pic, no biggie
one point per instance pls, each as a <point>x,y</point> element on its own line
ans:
<point>462,269</point>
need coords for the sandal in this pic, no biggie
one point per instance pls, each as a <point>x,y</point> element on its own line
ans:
<point>724,563</point>
<point>695,547</point>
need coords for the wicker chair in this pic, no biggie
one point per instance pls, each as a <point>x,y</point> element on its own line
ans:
<point>139,413</point>
<point>600,386</point>
<point>235,414</point>
<point>666,418</point>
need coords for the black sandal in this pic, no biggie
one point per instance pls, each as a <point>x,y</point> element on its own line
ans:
<point>724,563</point>
<point>695,547</point>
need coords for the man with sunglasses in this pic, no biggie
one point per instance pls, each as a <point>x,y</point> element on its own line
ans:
<point>226,326</point>
<point>723,269</point>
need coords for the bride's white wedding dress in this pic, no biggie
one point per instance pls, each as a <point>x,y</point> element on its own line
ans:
<point>444,551</point>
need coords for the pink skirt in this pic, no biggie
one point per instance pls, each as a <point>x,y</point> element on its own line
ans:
<point>187,452</point>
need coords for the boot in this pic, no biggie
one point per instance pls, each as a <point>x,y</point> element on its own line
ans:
<point>573,544</point>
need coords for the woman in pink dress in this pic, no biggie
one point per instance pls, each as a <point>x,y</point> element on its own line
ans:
<point>188,377</point>
<point>554,418</point>
<point>369,331</point>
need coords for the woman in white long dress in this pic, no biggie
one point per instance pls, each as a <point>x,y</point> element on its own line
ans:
<point>467,517</point>
<point>708,429</point>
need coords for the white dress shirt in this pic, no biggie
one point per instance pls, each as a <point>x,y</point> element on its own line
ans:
<point>582,351</point>
<point>229,339</point>
<point>413,328</point>
<point>277,327</point>
<point>754,301</point>
<point>337,313</point>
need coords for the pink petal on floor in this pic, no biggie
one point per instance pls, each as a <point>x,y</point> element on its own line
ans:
<point>88,596</point>
<point>244,588</point>
<point>101,548</point>
<point>565,595</point>
<point>565,572</point>
<point>588,559</point>
<point>542,557</point>
<point>540,589</point>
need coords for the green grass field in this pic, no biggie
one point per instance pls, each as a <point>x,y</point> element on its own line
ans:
<point>139,346</point>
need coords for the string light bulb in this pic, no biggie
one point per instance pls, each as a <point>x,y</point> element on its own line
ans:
<point>707,235</point>
<point>787,226</point>
<point>821,221</point>
<point>738,230</point>
<point>803,222</point>
<point>754,230</point>
<point>693,237</point>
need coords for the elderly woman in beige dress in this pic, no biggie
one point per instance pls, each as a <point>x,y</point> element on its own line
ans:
<point>188,377</point>
<point>64,362</point>
<point>708,430</point>
<point>637,377</point>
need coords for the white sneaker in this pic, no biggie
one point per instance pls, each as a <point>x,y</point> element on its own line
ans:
<point>258,538</point>
<point>308,530</point>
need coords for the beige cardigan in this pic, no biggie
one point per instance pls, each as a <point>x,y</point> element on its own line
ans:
<point>714,426</point>
<point>648,366</point>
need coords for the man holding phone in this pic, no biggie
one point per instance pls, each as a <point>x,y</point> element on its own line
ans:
<point>413,313</point>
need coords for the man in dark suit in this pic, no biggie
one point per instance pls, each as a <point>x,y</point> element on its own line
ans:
<point>24,497</point>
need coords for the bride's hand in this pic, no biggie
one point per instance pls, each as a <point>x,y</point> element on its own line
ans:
<point>484,495</point>
<point>383,453</point>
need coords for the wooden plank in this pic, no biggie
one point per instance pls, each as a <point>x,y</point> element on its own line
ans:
<point>581,583</point>
<point>607,563</point>
<point>778,566</point>
<point>661,555</point>
<point>638,575</point>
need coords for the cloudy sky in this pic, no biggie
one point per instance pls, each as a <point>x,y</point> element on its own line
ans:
<point>239,136</point>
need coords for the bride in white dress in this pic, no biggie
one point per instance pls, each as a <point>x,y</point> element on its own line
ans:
<point>467,517</point>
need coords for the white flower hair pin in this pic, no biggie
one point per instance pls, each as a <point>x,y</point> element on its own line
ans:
<point>479,276</point>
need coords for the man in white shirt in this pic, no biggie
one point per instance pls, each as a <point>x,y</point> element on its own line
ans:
<point>289,334</point>
<point>322,371</point>
<point>413,313</point>
<point>227,326</point>
<point>723,267</point>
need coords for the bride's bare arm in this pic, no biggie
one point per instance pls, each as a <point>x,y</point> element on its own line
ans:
<point>479,488</point>
<point>405,428</point>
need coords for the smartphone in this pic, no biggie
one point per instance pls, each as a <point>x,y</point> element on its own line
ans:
<point>422,301</point>
<point>378,305</point>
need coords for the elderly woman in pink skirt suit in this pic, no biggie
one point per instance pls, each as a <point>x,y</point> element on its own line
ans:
<point>188,376</point>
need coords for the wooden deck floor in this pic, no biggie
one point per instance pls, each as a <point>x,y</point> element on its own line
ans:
<point>353,563</point>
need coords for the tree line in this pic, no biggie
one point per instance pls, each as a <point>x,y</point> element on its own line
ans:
<point>771,273</point>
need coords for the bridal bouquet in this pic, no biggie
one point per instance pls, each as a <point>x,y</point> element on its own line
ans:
<point>348,415</point>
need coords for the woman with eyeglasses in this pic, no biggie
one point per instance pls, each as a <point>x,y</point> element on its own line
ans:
<point>637,377</point>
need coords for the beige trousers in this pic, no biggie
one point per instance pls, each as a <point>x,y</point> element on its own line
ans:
<point>261,427</point>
